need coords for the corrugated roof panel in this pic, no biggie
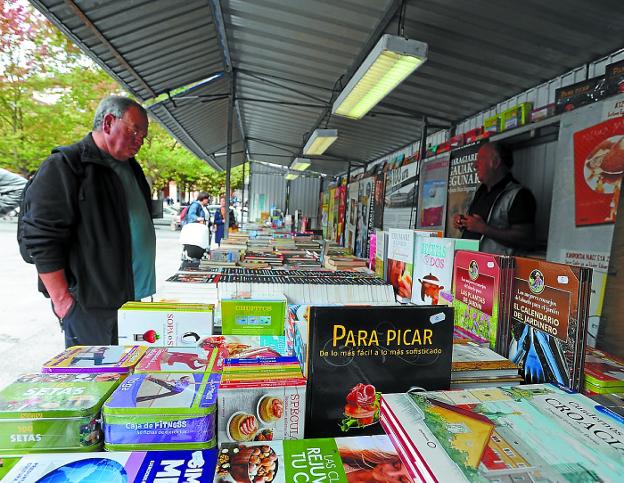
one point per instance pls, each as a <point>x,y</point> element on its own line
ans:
<point>201,123</point>
<point>168,44</point>
<point>481,54</point>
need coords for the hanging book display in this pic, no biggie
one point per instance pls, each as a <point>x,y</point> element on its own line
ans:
<point>366,193</point>
<point>358,352</point>
<point>378,204</point>
<point>401,196</point>
<point>331,214</point>
<point>463,182</point>
<point>549,321</point>
<point>480,284</point>
<point>351,214</point>
<point>339,212</point>
<point>434,175</point>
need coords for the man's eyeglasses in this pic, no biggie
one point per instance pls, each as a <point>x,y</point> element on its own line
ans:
<point>130,129</point>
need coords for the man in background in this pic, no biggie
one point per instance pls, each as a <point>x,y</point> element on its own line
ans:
<point>502,212</point>
<point>11,187</point>
<point>88,225</point>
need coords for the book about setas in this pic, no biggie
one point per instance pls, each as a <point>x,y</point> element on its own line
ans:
<point>358,352</point>
<point>549,320</point>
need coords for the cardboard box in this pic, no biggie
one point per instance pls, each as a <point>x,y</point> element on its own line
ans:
<point>164,324</point>
<point>245,316</point>
<point>540,113</point>
<point>579,94</point>
<point>516,116</point>
<point>492,124</point>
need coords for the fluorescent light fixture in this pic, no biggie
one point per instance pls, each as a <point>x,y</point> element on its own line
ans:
<point>320,141</point>
<point>390,62</point>
<point>300,164</point>
<point>291,176</point>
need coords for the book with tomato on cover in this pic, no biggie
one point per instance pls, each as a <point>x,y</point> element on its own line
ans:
<point>358,352</point>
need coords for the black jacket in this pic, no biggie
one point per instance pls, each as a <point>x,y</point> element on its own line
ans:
<point>77,219</point>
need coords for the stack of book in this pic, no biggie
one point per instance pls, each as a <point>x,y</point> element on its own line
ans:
<point>225,255</point>
<point>274,259</point>
<point>475,366</point>
<point>525,433</point>
<point>604,373</point>
<point>345,263</point>
<point>261,400</point>
<point>189,288</point>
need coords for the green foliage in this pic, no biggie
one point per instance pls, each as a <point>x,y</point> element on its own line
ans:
<point>49,92</point>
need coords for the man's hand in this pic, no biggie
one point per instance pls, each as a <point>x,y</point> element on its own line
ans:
<point>63,305</point>
<point>475,224</point>
<point>458,221</point>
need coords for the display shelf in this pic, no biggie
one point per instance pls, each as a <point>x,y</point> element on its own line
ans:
<point>542,131</point>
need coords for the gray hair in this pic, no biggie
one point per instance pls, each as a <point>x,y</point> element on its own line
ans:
<point>115,105</point>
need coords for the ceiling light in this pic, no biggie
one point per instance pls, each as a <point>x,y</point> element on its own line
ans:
<point>291,176</point>
<point>320,140</point>
<point>300,164</point>
<point>390,62</point>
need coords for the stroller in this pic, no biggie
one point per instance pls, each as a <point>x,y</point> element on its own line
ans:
<point>195,240</point>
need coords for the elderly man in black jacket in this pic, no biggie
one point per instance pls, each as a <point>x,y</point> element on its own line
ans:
<point>88,226</point>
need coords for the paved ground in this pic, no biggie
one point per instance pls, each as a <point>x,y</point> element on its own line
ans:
<point>29,332</point>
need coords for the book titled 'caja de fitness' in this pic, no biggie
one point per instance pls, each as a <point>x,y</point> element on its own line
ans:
<point>358,352</point>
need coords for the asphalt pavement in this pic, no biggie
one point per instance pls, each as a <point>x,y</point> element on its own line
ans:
<point>29,332</point>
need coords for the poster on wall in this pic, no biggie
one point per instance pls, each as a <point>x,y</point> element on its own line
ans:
<point>351,214</point>
<point>432,194</point>
<point>598,170</point>
<point>401,196</point>
<point>378,208</point>
<point>365,199</point>
<point>463,182</point>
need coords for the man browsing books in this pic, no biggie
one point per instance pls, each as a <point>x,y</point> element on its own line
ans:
<point>88,226</point>
<point>502,212</point>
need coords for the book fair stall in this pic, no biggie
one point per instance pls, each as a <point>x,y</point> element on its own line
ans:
<point>374,344</point>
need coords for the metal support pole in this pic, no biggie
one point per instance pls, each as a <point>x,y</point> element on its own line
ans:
<point>228,162</point>
<point>423,152</point>
<point>243,195</point>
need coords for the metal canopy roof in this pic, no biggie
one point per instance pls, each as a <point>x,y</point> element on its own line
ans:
<point>290,59</point>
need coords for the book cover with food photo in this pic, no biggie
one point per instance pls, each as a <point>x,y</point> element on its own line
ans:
<point>358,352</point>
<point>339,460</point>
<point>598,170</point>
<point>401,263</point>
